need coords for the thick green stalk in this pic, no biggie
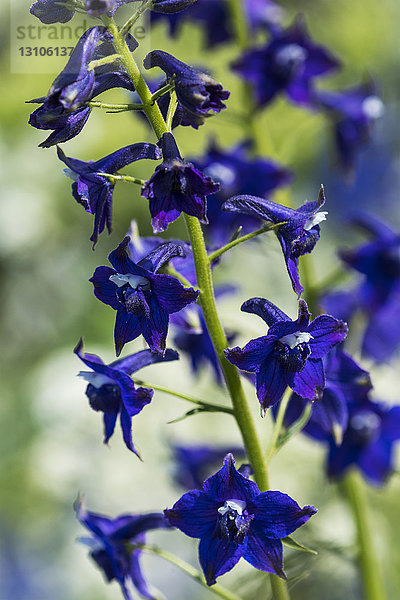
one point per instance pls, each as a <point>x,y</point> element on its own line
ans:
<point>373,584</point>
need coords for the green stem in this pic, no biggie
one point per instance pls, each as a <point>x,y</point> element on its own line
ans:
<point>126,178</point>
<point>132,20</point>
<point>373,584</point>
<point>217,589</point>
<point>208,405</point>
<point>115,107</point>
<point>103,61</point>
<point>214,255</point>
<point>278,423</point>
<point>241,409</point>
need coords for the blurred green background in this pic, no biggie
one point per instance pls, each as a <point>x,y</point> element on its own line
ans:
<point>51,443</point>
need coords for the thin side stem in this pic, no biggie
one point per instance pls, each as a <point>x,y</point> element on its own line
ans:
<point>164,90</point>
<point>126,178</point>
<point>115,107</point>
<point>217,253</point>
<point>207,405</point>
<point>132,20</point>
<point>217,589</point>
<point>373,584</point>
<point>278,423</point>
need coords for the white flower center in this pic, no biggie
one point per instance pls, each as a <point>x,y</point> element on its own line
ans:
<point>134,280</point>
<point>365,420</point>
<point>292,53</point>
<point>238,505</point>
<point>315,220</point>
<point>221,173</point>
<point>295,339</point>
<point>373,107</point>
<point>96,379</point>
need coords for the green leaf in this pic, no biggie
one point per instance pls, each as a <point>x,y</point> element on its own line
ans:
<point>289,541</point>
<point>190,413</point>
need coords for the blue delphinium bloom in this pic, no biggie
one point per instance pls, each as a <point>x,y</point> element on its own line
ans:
<point>346,382</point>
<point>53,11</point>
<point>94,190</point>
<point>109,546</point>
<point>215,17</point>
<point>143,299</point>
<point>290,355</point>
<point>353,112</point>
<point>233,519</point>
<point>176,186</point>
<point>378,293</point>
<point>64,110</point>
<point>197,92</point>
<point>299,233</point>
<point>111,390</point>
<point>194,463</point>
<point>288,63</point>
<point>237,173</point>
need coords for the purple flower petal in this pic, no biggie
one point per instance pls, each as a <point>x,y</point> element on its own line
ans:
<point>218,556</point>
<point>104,289</point>
<point>251,356</point>
<point>127,328</point>
<point>276,515</point>
<point>326,332</point>
<point>310,382</point>
<point>126,426</point>
<point>263,553</point>
<point>229,483</point>
<point>195,513</point>
<point>132,363</point>
<point>271,383</point>
<point>265,309</point>
<point>109,420</point>
<point>171,294</point>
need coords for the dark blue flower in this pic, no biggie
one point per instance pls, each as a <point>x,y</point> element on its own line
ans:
<point>111,390</point>
<point>367,442</point>
<point>194,463</point>
<point>353,112</point>
<point>143,299</point>
<point>64,110</point>
<point>93,189</point>
<point>109,546</point>
<point>378,293</point>
<point>95,8</point>
<point>215,17</point>
<point>53,11</point>
<point>170,6</point>
<point>288,63</point>
<point>290,355</point>
<point>297,236</point>
<point>346,382</point>
<point>197,92</point>
<point>176,186</point>
<point>234,520</point>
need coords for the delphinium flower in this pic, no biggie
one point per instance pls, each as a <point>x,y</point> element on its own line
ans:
<point>298,234</point>
<point>64,109</point>
<point>142,298</point>
<point>378,293</point>
<point>176,186</point>
<point>170,6</point>
<point>288,63</point>
<point>233,519</point>
<point>345,382</point>
<point>215,18</point>
<point>112,391</point>
<point>53,11</point>
<point>110,549</point>
<point>237,173</point>
<point>197,92</point>
<point>290,354</point>
<point>93,189</point>
<point>192,463</point>
<point>353,111</point>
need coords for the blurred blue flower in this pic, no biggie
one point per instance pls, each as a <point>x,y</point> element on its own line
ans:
<point>215,17</point>
<point>233,519</point>
<point>297,236</point>
<point>353,112</point>
<point>93,189</point>
<point>378,293</point>
<point>109,546</point>
<point>290,355</point>
<point>288,63</point>
<point>170,6</point>
<point>143,299</point>
<point>237,173</point>
<point>111,390</point>
<point>176,186</point>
